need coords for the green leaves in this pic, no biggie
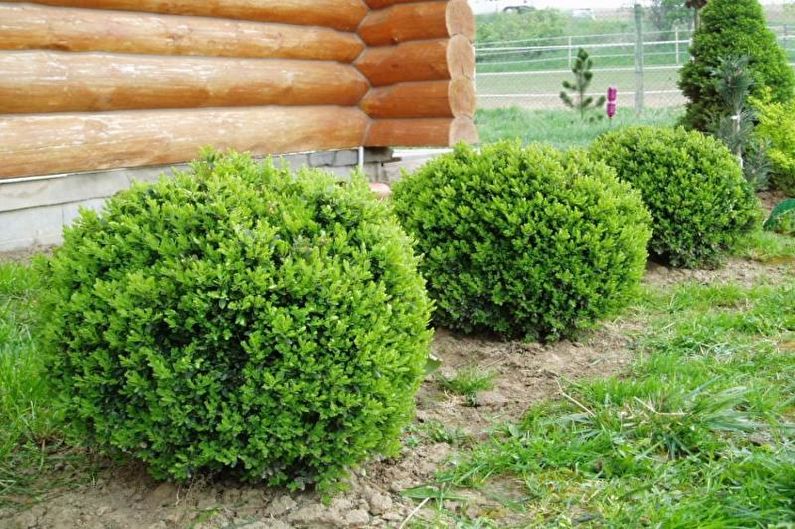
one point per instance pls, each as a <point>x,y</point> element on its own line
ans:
<point>732,28</point>
<point>782,218</point>
<point>239,317</point>
<point>776,126</point>
<point>579,100</point>
<point>700,202</point>
<point>524,242</point>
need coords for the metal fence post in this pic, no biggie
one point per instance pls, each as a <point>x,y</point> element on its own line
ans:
<point>571,56</point>
<point>676,39</point>
<point>639,89</point>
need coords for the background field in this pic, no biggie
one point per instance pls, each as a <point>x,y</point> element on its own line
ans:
<point>522,59</point>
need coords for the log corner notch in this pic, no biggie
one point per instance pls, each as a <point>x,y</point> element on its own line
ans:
<point>420,62</point>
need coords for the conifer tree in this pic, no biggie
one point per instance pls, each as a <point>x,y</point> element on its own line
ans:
<point>579,99</point>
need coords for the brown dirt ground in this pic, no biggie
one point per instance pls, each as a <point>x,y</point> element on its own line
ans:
<point>120,497</point>
<point>125,498</point>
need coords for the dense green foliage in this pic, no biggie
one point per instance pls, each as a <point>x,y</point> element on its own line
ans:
<point>534,24</point>
<point>666,14</point>
<point>732,28</point>
<point>700,202</point>
<point>242,318</point>
<point>776,125</point>
<point>782,218</point>
<point>524,242</point>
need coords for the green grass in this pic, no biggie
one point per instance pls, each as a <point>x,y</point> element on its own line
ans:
<point>562,128</point>
<point>767,247</point>
<point>434,431</point>
<point>700,432</point>
<point>30,442</point>
<point>468,383</point>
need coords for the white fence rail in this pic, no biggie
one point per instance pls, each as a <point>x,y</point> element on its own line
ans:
<point>643,65</point>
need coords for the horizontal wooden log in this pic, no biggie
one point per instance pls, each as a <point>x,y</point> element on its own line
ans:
<point>418,21</point>
<point>381,4</point>
<point>61,143</point>
<point>345,15</point>
<point>429,99</point>
<point>41,81</point>
<point>431,132</point>
<point>28,26</point>
<point>427,60</point>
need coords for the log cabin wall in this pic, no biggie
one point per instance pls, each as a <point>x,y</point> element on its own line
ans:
<point>91,85</point>
<point>420,62</point>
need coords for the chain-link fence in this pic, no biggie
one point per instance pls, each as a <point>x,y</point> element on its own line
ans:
<point>643,65</point>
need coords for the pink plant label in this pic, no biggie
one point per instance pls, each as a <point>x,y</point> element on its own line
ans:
<point>612,98</point>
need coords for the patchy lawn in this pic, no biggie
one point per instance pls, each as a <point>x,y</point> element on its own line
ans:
<point>678,414</point>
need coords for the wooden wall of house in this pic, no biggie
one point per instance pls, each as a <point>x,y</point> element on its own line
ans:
<point>88,85</point>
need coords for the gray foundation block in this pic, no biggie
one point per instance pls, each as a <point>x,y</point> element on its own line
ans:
<point>34,211</point>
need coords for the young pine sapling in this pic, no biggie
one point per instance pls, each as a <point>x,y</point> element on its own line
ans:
<point>578,99</point>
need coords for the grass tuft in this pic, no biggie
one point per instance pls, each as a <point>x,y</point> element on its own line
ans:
<point>767,247</point>
<point>468,383</point>
<point>30,442</point>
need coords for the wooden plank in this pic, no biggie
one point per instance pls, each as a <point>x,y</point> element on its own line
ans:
<point>345,15</point>
<point>429,99</point>
<point>430,132</point>
<point>41,81</point>
<point>72,142</point>
<point>418,21</point>
<point>427,60</point>
<point>29,26</point>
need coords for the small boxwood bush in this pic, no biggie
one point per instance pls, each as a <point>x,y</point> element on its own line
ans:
<point>525,242</point>
<point>239,318</point>
<point>693,186</point>
<point>776,126</point>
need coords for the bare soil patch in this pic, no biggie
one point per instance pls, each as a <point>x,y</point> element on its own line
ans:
<point>126,498</point>
<point>740,272</point>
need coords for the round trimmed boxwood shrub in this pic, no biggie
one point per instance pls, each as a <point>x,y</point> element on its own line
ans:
<point>524,242</point>
<point>239,318</point>
<point>700,202</point>
<point>732,28</point>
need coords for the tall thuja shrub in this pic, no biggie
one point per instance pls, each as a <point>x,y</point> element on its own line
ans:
<point>732,28</point>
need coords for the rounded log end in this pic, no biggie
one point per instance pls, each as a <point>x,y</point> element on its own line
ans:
<point>463,100</point>
<point>461,58</point>
<point>461,19</point>
<point>463,130</point>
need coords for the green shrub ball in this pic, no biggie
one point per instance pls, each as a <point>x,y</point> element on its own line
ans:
<point>524,242</point>
<point>693,186</point>
<point>239,319</point>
